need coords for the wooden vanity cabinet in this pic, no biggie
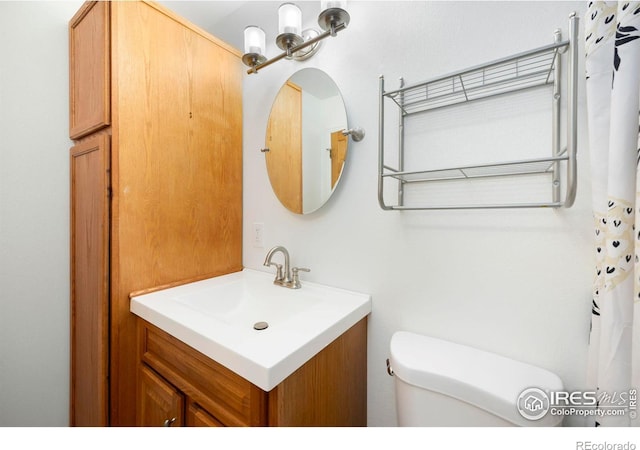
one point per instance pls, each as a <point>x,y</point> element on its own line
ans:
<point>223,395</point>
<point>328,390</point>
<point>160,202</point>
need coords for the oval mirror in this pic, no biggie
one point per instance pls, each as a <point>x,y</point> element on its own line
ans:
<point>305,148</point>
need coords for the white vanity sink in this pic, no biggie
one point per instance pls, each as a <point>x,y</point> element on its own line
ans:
<point>217,316</point>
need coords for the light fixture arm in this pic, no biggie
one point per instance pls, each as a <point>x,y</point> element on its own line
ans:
<point>293,49</point>
<point>334,30</point>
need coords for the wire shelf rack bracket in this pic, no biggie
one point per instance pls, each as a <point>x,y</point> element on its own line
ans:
<point>527,70</point>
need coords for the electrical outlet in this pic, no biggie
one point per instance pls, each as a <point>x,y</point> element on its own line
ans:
<point>258,235</point>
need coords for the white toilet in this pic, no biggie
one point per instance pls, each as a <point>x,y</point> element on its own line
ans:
<point>440,383</point>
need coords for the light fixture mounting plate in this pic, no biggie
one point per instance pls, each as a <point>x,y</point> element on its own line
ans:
<point>333,16</point>
<point>287,40</point>
<point>308,52</point>
<point>253,59</point>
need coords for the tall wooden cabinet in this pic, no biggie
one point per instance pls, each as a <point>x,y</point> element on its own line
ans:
<point>90,184</point>
<point>156,183</point>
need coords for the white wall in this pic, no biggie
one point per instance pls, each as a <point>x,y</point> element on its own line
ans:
<point>516,282</point>
<point>34,213</point>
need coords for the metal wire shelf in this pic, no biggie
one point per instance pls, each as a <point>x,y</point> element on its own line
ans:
<point>527,70</point>
<point>524,71</point>
<point>511,168</point>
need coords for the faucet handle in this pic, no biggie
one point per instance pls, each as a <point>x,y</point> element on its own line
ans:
<point>279,274</point>
<point>295,282</point>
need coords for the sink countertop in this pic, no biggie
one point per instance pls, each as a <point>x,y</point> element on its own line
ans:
<point>216,317</point>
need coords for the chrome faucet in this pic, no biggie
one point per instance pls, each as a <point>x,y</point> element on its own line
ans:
<point>287,278</point>
<point>280,277</point>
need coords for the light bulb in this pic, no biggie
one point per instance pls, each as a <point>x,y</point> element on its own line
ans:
<point>289,19</point>
<point>326,4</point>
<point>254,40</point>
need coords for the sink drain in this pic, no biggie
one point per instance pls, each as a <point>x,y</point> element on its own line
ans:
<point>260,325</point>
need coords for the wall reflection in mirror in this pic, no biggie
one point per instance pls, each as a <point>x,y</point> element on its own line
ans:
<point>305,145</point>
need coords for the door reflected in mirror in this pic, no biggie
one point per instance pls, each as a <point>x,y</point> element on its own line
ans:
<point>306,148</point>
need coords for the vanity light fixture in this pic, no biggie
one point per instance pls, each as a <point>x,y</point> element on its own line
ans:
<point>297,44</point>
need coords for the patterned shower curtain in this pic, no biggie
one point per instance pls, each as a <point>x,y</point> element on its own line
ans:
<point>612,43</point>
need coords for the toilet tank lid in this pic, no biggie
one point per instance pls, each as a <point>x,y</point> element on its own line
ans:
<point>486,380</point>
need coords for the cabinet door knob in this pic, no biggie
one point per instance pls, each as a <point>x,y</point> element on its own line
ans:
<point>169,422</point>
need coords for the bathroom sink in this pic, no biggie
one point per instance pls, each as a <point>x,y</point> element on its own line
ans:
<point>218,317</point>
<point>248,299</point>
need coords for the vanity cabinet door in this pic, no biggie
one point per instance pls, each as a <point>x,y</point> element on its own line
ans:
<point>160,403</point>
<point>199,417</point>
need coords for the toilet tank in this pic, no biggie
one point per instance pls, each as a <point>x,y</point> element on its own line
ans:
<point>440,383</point>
